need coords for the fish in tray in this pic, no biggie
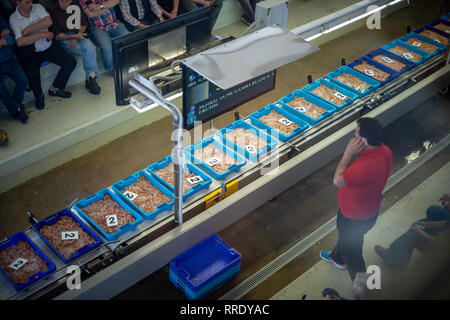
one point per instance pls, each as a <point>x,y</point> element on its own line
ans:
<point>371,71</point>
<point>215,158</point>
<point>308,108</point>
<point>166,174</point>
<point>98,212</point>
<point>408,54</point>
<point>329,94</point>
<point>273,120</point>
<point>389,62</point>
<point>422,45</point>
<point>353,82</point>
<point>434,36</point>
<point>148,196</point>
<point>54,234</point>
<point>245,138</point>
<point>19,273</point>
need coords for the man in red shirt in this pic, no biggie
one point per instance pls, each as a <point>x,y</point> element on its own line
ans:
<point>360,184</point>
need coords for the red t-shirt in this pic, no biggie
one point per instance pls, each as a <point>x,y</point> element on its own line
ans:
<point>365,179</point>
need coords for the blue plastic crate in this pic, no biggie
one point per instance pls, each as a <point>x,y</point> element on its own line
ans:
<point>254,118</point>
<point>240,161</point>
<point>421,38</point>
<point>428,27</point>
<point>195,188</point>
<point>393,74</point>
<point>100,196</point>
<point>446,17</point>
<point>118,188</point>
<point>352,96</point>
<point>425,55</point>
<point>36,277</point>
<point>53,219</point>
<point>374,84</point>
<point>271,142</point>
<point>204,263</point>
<point>310,98</point>
<point>409,65</point>
<point>196,295</point>
<point>438,21</point>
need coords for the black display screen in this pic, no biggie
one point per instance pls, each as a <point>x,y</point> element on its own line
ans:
<point>203,101</point>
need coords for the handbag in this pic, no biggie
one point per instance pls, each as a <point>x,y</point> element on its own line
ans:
<point>26,52</point>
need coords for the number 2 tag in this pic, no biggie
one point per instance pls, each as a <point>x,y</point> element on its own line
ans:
<point>340,95</point>
<point>195,180</point>
<point>212,161</point>
<point>18,263</point>
<point>369,73</point>
<point>130,195</point>
<point>417,44</point>
<point>111,221</point>
<point>285,121</point>
<point>69,235</point>
<point>388,60</point>
<point>251,148</point>
<point>408,55</point>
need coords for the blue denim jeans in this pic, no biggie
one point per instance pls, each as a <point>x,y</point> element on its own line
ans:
<point>103,38</point>
<point>14,70</point>
<point>87,50</point>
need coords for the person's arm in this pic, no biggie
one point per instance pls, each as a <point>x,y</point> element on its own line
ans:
<point>44,23</point>
<point>93,9</point>
<point>434,224</point>
<point>174,12</point>
<point>354,147</point>
<point>7,36</point>
<point>204,3</point>
<point>156,9</point>
<point>426,236</point>
<point>126,13</point>
<point>28,40</point>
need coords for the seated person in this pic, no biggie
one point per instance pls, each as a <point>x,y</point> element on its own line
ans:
<point>75,42</point>
<point>104,27</point>
<point>421,235</point>
<point>11,67</point>
<point>30,23</point>
<point>139,14</point>
<point>171,8</point>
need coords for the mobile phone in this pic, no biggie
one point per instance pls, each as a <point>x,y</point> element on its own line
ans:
<point>365,141</point>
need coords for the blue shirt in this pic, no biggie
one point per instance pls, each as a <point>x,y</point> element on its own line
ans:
<point>6,52</point>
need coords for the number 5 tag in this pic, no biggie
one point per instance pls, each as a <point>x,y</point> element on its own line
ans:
<point>111,221</point>
<point>18,263</point>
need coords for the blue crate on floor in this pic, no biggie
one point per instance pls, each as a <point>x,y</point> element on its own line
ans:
<point>254,156</point>
<point>421,39</point>
<point>118,188</point>
<point>51,220</point>
<point>195,188</point>
<point>393,74</point>
<point>352,96</point>
<point>428,27</point>
<point>196,295</point>
<point>255,116</point>
<point>425,55</point>
<point>100,196</point>
<point>374,84</point>
<point>205,263</point>
<point>36,277</point>
<point>240,161</point>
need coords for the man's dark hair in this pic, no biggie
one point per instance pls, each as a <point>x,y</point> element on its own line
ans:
<point>371,129</point>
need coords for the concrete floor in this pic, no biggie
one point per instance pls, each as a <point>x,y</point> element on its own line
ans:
<point>269,230</point>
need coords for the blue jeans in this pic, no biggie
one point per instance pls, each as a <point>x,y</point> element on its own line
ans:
<point>87,50</point>
<point>14,70</point>
<point>103,38</point>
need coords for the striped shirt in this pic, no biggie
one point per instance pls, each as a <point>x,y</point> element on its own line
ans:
<point>105,20</point>
<point>125,8</point>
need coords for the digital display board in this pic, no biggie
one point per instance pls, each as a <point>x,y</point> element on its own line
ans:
<point>203,101</point>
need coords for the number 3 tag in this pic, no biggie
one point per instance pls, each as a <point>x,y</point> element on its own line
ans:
<point>111,221</point>
<point>18,263</point>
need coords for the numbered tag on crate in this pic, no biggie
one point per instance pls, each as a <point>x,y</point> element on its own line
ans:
<point>251,148</point>
<point>438,41</point>
<point>195,179</point>
<point>340,95</point>
<point>18,263</point>
<point>369,72</point>
<point>417,44</point>
<point>301,109</point>
<point>212,161</point>
<point>408,55</point>
<point>130,195</point>
<point>285,121</point>
<point>112,221</point>
<point>69,235</point>
<point>388,60</point>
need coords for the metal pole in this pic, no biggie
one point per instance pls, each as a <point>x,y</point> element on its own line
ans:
<point>145,87</point>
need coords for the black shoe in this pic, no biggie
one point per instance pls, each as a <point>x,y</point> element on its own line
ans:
<point>40,103</point>
<point>59,93</point>
<point>21,115</point>
<point>383,254</point>
<point>92,86</point>
<point>247,20</point>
